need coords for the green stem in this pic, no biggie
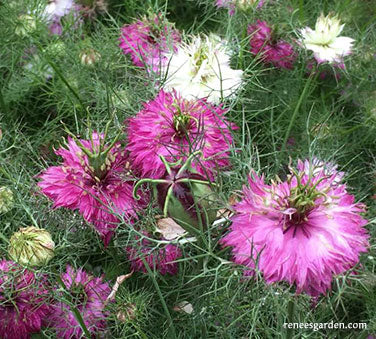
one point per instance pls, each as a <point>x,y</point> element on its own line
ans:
<point>290,318</point>
<point>144,181</point>
<point>163,301</point>
<point>188,162</point>
<point>75,311</point>
<point>167,200</point>
<point>295,113</point>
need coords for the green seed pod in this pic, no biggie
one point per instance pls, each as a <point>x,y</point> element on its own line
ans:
<point>187,197</point>
<point>31,246</point>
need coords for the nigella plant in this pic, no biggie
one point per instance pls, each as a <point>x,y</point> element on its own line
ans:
<point>270,50</point>
<point>303,231</point>
<point>87,295</point>
<point>174,127</point>
<point>201,69</point>
<point>95,179</point>
<point>324,41</point>
<point>148,41</point>
<point>231,5</point>
<point>24,303</point>
<point>58,10</point>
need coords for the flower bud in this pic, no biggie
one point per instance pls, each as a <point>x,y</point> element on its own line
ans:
<point>31,246</point>
<point>25,25</point>
<point>127,313</point>
<point>6,199</point>
<point>89,57</point>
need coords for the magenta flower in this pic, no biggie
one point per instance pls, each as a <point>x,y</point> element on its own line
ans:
<point>302,231</point>
<point>94,179</point>
<point>23,302</point>
<point>278,53</point>
<point>88,294</point>
<point>161,259</point>
<point>148,41</point>
<point>175,127</point>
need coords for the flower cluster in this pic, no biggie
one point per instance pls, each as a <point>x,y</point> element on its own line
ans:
<point>303,231</point>
<point>201,69</point>
<point>94,178</point>
<point>174,127</point>
<point>279,53</point>
<point>23,302</point>
<point>148,42</point>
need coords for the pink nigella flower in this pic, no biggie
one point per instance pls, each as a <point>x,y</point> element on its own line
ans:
<point>23,302</point>
<point>175,127</point>
<point>278,53</point>
<point>148,40</point>
<point>302,231</point>
<point>98,184</point>
<point>161,259</point>
<point>88,294</point>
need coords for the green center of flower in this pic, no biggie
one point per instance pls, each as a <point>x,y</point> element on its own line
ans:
<point>78,294</point>
<point>100,163</point>
<point>200,56</point>
<point>100,157</point>
<point>181,121</point>
<point>302,198</point>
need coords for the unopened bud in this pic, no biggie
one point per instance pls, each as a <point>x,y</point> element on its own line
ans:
<point>31,246</point>
<point>25,25</point>
<point>6,199</point>
<point>127,313</point>
<point>89,57</point>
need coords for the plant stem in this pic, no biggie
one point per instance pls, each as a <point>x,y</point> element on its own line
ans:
<point>290,318</point>
<point>297,107</point>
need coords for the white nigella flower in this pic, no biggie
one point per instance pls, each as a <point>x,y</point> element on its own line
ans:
<point>202,69</point>
<point>58,8</point>
<point>325,41</point>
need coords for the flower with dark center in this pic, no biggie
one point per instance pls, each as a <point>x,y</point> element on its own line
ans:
<point>304,230</point>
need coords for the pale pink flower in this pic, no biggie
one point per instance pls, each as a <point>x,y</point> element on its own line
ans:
<point>56,10</point>
<point>304,230</point>
<point>232,4</point>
